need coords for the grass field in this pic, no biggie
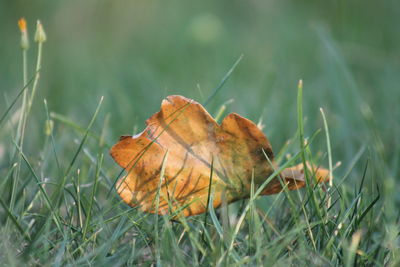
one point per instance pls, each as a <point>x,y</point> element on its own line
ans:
<point>106,66</point>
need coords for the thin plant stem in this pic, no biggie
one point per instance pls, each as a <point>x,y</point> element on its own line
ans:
<point>25,110</point>
<point>36,81</point>
<point>20,131</point>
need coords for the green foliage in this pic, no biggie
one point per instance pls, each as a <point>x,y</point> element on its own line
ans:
<point>58,205</point>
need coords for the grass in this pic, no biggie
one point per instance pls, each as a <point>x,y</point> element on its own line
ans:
<point>58,205</point>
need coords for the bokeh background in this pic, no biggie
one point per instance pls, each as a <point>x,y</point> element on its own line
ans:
<point>134,53</point>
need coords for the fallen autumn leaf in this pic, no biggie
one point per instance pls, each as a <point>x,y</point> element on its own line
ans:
<point>185,139</point>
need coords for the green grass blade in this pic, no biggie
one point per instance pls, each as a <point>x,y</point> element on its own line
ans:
<point>16,99</point>
<point>223,81</point>
<point>92,197</point>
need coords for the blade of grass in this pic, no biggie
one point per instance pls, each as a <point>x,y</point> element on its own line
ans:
<point>19,227</point>
<point>208,197</point>
<point>43,191</point>
<point>84,137</point>
<point>214,218</point>
<point>300,127</point>
<point>328,146</point>
<point>58,194</point>
<point>257,193</point>
<point>66,121</point>
<point>16,99</point>
<point>89,212</point>
<point>53,143</point>
<point>157,202</point>
<point>223,81</point>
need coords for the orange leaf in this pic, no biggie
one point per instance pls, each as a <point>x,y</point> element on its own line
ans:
<point>196,146</point>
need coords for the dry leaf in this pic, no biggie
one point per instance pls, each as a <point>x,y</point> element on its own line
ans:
<point>190,144</point>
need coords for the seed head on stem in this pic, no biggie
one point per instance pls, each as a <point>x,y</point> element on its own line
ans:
<point>24,33</point>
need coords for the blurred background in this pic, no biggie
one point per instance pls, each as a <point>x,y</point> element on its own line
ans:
<point>134,53</point>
